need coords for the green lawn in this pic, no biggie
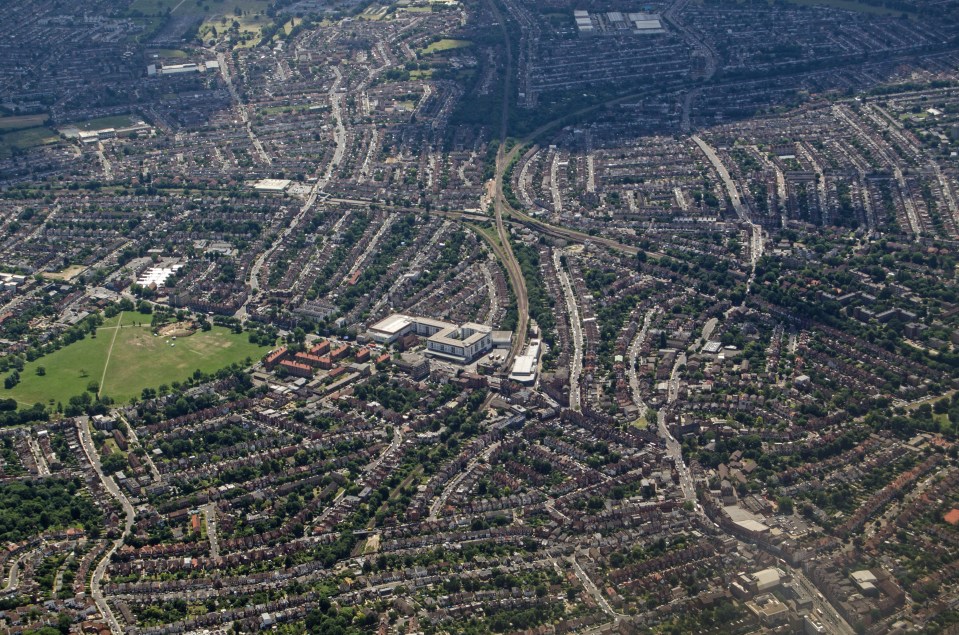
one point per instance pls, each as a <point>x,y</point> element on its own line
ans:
<point>176,53</point>
<point>116,121</point>
<point>446,44</point>
<point>138,360</point>
<point>26,138</point>
<point>852,5</point>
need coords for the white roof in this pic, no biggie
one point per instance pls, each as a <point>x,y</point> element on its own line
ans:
<point>392,324</point>
<point>752,525</point>
<point>864,575</point>
<point>643,25</point>
<point>272,185</point>
<point>524,365</point>
<point>767,576</point>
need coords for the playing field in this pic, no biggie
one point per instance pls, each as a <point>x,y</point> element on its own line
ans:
<point>124,361</point>
<point>445,45</point>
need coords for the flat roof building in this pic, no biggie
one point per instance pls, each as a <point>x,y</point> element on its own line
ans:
<point>524,366</point>
<point>461,343</point>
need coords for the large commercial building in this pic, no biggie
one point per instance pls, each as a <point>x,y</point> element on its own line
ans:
<point>524,366</point>
<point>617,23</point>
<point>462,343</point>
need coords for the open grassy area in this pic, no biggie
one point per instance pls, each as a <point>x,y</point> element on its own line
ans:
<point>22,121</point>
<point>27,138</point>
<point>69,273</point>
<point>138,360</point>
<point>446,44</point>
<point>850,5</point>
<point>116,121</point>
<point>174,53</point>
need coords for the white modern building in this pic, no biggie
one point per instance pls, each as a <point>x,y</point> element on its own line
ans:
<point>524,366</point>
<point>462,343</point>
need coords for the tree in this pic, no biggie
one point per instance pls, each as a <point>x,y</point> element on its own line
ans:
<point>41,371</point>
<point>114,463</point>
<point>11,380</point>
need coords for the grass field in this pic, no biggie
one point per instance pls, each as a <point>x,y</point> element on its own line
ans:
<point>174,53</point>
<point>22,121</point>
<point>69,273</point>
<point>126,360</point>
<point>446,44</point>
<point>27,138</point>
<point>851,5</point>
<point>116,121</point>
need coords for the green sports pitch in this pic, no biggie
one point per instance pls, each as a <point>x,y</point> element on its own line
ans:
<point>124,358</point>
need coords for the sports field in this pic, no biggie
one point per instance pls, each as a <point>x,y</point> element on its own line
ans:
<point>127,359</point>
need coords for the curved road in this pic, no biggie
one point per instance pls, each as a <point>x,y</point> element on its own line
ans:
<point>83,432</point>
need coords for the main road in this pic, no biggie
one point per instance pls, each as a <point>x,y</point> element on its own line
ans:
<point>755,231</point>
<point>576,360</point>
<point>339,135</point>
<point>86,441</point>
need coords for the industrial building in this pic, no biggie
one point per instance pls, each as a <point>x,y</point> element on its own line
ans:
<point>461,344</point>
<point>617,23</point>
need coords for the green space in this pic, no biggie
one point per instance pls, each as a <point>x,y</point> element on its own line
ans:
<point>28,508</point>
<point>851,5</point>
<point>446,44</point>
<point>116,121</point>
<point>125,360</point>
<point>175,53</point>
<point>22,121</point>
<point>28,138</point>
<point>152,7</point>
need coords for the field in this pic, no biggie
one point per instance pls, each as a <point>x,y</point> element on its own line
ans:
<point>27,138</point>
<point>22,121</point>
<point>446,45</point>
<point>116,121</point>
<point>174,53</point>
<point>852,5</point>
<point>69,273</point>
<point>126,360</point>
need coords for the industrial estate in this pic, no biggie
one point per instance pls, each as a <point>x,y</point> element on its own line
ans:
<point>479,316</point>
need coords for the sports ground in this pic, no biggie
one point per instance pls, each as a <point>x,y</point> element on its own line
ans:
<point>125,357</point>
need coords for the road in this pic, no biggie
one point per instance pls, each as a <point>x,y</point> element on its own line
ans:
<point>42,468</point>
<point>105,162</point>
<point>241,108</point>
<point>576,362</point>
<point>209,517</point>
<point>825,611</point>
<point>673,448</point>
<point>634,347</point>
<point>339,136</point>
<point>593,590</point>
<point>13,577</point>
<point>86,441</point>
<point>756,232</point>
<point>440,501</point>
<point>135,441</point>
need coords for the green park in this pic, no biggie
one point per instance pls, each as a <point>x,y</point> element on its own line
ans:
<point>124,358</point>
